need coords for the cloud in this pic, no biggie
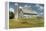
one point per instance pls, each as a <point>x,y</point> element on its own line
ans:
<point>20,7</point>
<point>27,6</point>
<point>16,3</point>
<point>41,13</point>
<point>11,9</point>
<point>39,7</point>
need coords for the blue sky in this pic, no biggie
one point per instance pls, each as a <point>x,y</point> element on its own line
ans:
<point>39,8</point>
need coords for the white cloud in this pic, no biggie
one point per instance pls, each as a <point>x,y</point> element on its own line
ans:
<point>20,7</point>
<point>11,9</point>
<point>37,5</point>
<point>27,6</point>
<point>16,3</point>
<point>41,13</point>
<point>41,7</point>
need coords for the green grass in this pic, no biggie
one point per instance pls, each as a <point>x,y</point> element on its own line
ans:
<point>24,23</point>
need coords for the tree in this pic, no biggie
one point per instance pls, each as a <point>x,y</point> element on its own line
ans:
<point>11,15</point>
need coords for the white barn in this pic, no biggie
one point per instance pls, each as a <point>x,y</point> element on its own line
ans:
<point>24,13</point>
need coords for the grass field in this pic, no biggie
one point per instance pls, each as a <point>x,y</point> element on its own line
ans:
<point>25,23</point>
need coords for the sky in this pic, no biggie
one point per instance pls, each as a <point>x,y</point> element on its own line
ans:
<point>39,8</point>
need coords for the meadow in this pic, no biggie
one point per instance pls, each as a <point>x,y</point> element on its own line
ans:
<point>26,23</point>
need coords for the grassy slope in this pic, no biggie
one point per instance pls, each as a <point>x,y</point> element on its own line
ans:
<point>22,23</point>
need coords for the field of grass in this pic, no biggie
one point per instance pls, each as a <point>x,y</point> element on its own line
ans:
<point>25,23</point>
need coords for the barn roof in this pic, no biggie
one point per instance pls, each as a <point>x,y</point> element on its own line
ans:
<point>27,11</point>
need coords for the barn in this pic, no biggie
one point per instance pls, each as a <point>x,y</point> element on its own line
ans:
<point>24,13</point>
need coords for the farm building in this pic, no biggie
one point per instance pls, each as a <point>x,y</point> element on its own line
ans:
<point>24,13</point>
